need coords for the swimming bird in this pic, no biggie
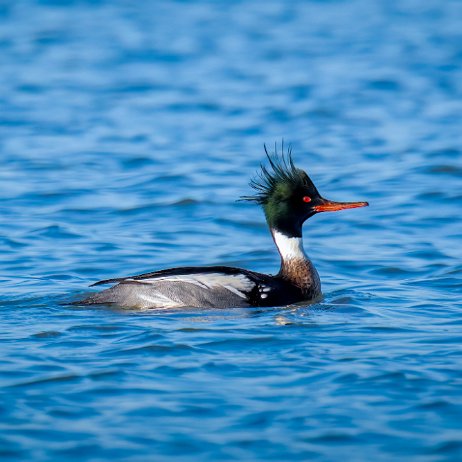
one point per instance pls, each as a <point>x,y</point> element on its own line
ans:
<point>288,198</point>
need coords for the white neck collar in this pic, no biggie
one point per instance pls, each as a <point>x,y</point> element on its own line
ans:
<point>289,247</point>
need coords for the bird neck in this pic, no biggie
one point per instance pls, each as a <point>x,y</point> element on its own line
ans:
<point>290,248</point>
<point>296,267</point>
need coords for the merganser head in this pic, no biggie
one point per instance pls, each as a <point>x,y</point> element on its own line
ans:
<point>288,196</point>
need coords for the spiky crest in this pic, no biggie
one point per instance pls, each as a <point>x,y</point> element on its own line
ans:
<point>283,172</point>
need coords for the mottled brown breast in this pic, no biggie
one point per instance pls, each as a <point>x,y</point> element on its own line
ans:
<point>302,274</point>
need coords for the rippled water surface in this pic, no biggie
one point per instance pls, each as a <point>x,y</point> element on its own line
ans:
<point>127,131</point>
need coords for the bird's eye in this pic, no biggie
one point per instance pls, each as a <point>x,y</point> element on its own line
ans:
<point>306,199</point>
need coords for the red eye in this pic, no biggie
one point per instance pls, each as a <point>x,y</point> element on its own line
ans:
<point>306,199</point>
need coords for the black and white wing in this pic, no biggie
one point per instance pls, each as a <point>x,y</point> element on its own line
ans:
<point>218,287</point>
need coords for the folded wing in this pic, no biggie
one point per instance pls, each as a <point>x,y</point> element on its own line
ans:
<point>217,287</point>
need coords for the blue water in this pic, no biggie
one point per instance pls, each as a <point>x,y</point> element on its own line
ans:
<point>127,131</point>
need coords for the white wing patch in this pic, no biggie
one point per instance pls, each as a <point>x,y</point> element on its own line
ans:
<point>235,283</point>
<point>264,291</point>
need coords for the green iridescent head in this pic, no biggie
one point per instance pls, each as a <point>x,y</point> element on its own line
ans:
<point>285,192</point>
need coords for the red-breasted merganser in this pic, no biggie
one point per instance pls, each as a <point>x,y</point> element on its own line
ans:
<point>288,197</point>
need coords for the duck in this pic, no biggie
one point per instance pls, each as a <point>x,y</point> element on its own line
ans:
<point>288,198</point>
